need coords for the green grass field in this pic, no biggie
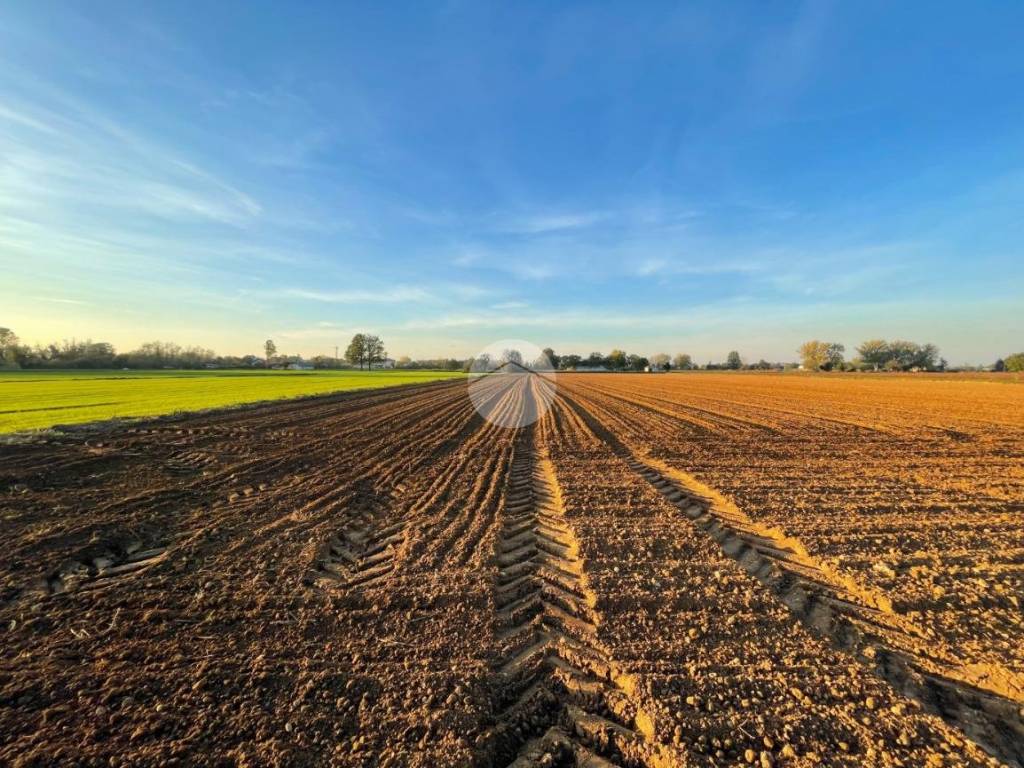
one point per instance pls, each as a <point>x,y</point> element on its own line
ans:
<point>40,399</point>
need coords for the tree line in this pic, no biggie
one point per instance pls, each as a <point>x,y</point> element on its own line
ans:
<point>816,355</point>
<point>620,360</point>
<point>872,355</point>
<point>75,353</point>
<point>367,350</point>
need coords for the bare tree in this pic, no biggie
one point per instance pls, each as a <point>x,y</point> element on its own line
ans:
<point>512,356</point>
<point>269,349</point>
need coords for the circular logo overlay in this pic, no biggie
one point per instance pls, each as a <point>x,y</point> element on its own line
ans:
<point>512,383</point>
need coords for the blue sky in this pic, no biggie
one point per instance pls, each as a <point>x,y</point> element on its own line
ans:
<point>691,177</point>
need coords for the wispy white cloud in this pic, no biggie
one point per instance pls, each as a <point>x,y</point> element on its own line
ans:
<point>545,223</point>
<point>707,317</point>
<point>535,319</point>
<point>650,267</point>
<point>67,157</point>
<point>467,259</point>
<point>462,291</point>
<point>528,271</point>
<point>55,300</point>
<point>783,63</point>
<point>321,331</point>
<point>90,249</point>
<point>423,215</point>
<point>669,266</point>
<point>12,116</point>
<point>389,295</point>
<point>439,293</point>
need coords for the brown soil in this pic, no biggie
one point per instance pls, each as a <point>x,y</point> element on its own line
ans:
<point>662,571</point>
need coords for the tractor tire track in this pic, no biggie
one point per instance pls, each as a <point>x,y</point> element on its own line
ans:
<point>447,543</point>
<point>363,552</point>
<point>567,702</point>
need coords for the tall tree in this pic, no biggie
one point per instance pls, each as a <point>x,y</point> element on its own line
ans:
<point>552,359</point>
<point>874,352</point>
<point>682,362</point>
<point>566,362</point>
<point>927,357</point>
<point>733,361</point>
<point>8,345</point>
<point>1015,362</point>
<point>813,354</point>
<point>512,356</point>
<point>821,355</point>
<point>834,355</point>
<point>636,362</point>
<point>355,353</point>
<point>903,355</point>
<point>661,361</point>
<point>373,349</point>
<point>269,349</point>
<point>617,359</point>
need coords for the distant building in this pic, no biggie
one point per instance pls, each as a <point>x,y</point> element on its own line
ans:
<point>387,362</point>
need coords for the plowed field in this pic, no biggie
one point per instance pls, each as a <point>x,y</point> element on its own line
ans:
<point>675,570</point>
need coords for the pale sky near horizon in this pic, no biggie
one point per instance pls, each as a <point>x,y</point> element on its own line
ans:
<point>672,177</point>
